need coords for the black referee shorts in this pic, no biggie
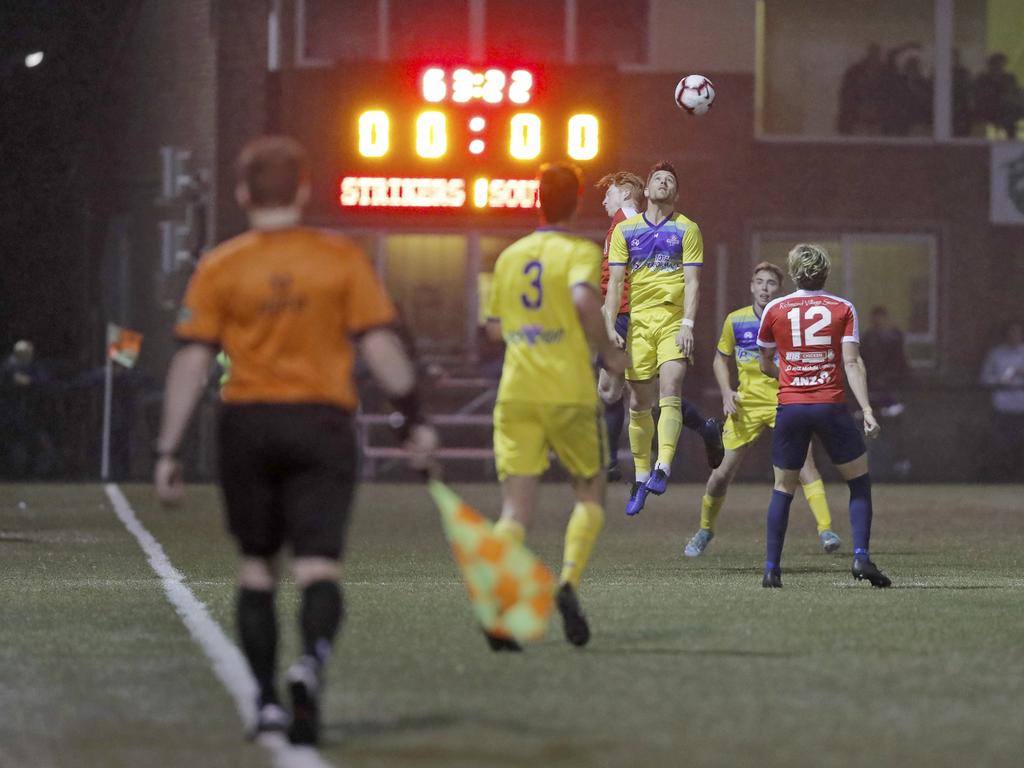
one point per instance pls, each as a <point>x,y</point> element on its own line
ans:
<point>288,474</point>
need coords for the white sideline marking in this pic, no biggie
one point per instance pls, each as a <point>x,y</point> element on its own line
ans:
<point>228,663</point>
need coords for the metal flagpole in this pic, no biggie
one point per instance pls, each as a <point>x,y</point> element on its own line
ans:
<point>108,387</point>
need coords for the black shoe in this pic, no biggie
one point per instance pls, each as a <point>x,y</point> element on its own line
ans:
<point>498,644</point>
<point>577,631</point>
<point>304,683</point>
<point>614,472</point>
<point>712,433</point>
<point>865,569</point>
<point>772,579</point>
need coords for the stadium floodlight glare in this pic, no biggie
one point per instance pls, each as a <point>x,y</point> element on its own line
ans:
<point>34,59</point>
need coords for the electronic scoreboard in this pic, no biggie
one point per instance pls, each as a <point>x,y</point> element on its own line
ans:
<point>448,137</point>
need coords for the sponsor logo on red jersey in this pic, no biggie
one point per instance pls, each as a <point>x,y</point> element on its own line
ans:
<point>807,329</point>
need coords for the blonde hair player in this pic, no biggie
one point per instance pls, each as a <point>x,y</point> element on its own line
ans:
<point>815,338</point>
<point>749,410</point>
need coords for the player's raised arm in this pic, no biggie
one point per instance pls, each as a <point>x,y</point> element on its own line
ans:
<point>857,375</point>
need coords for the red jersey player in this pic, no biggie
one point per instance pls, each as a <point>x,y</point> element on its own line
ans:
<point>816,339</point>
<point>624,194</point>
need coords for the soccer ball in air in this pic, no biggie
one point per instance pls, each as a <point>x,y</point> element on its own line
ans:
<point>695,94</point>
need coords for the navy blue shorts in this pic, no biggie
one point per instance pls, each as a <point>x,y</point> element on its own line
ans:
<point>621,328</point>
<point>831,422</point>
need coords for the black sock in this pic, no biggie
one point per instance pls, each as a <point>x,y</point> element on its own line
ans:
<point>257,626</point>
<point>320,618</point>
<point>692,418</point>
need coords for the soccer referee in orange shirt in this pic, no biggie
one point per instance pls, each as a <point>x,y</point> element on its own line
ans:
<point>287,304</point>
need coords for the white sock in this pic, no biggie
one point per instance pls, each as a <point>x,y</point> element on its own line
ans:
<point>643,477</point>
<point>666,468</point>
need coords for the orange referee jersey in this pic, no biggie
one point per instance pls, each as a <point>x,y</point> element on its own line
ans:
<point>284,305</point>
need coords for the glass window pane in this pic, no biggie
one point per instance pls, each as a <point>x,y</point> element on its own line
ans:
<point>599,31</point>
<point>491,247</point>
<point>525,30</point>
<point>988,69</point>
<point>435,30</point>
<point>895,274</point>
<point>832,67</point>
<point>426,277</point>
<point>340,30</point>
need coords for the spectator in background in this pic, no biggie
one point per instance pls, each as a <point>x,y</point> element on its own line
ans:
<point>882,348</point>
<point>1003,373</point>
<point>997,96</point>
<point>859,94</point>
<point>917,96</point>
<point>963,97</point>
<point>904,92</point>
<point>27,448</point>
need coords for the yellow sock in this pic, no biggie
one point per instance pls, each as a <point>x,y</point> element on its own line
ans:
<point>815,495</point>
<point>510,530</point>
<point>709,508</point>
<point>670,424</point>
<point>584,526</point>
<point>641,432</point>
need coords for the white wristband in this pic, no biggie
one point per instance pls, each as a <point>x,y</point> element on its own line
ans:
<point>688,322</point>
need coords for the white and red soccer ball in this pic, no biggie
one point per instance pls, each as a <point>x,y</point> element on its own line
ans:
<point>695,94</point>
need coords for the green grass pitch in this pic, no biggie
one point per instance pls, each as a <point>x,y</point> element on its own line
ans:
<point>691,662</point>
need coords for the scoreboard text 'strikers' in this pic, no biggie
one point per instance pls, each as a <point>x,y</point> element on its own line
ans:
<point>468,138</point>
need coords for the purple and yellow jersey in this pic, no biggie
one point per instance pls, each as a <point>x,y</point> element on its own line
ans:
<point>655,256</point>
<point>547,356</point>
<point>739,340</point>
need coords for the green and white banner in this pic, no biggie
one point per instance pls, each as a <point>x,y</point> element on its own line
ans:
<point>1006,196</point>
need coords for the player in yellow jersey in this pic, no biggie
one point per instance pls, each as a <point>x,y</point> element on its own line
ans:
<point>663,251</point>
<point>545,303</point>
<point>749,410</point>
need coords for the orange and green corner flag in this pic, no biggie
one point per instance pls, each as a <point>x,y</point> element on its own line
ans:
<point>123,345</point>
<point>511,591</point>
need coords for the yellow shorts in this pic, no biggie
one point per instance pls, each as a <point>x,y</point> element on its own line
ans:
<point>524,434</point>
<point>651,340</point>
<point>746,425</point>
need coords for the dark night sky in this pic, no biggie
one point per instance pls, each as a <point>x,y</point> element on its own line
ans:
<point>48,116</point>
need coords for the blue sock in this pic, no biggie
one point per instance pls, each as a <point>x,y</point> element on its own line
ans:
<point>778,520</point>
<point>614,418</point>
<point>692,418</point>
<point>860,515</point>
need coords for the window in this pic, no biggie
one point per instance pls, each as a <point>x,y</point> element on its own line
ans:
<point>851,69</point>
<point>426,277</point>
<point>988,69</point>
<point>429,29</point>
<point>336,30</point>
<point>525,30</point>
<point>514,31</point>
<point>611,31</point>
<point>898,272</point>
